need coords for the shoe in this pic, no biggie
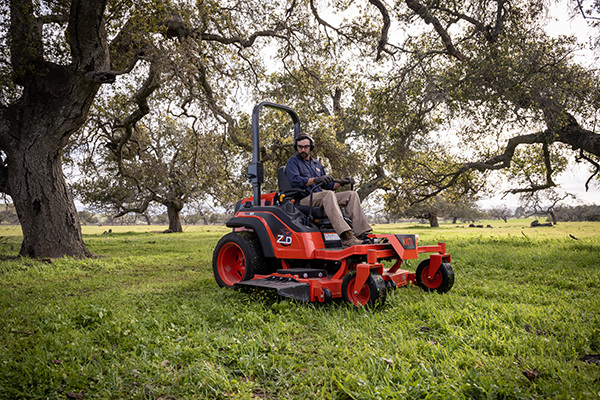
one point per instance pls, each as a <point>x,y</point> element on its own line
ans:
<point>348,239</point>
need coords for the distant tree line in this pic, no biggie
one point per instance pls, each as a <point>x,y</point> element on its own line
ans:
<point>561,213</point>
<point>213,218</point>
<point>8,216</point>
<point>579,213</point>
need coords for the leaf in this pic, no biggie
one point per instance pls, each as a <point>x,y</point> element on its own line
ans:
<point>73,395</point>
<point>532,374</point>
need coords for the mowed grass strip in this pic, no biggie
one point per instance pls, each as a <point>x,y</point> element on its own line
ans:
<point>146,320</point>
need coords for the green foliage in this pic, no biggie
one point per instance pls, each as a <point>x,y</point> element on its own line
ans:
<point>147,320</point>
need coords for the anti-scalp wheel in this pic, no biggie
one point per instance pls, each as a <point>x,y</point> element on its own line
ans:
<point>373,292</point>
<point>441,281</point>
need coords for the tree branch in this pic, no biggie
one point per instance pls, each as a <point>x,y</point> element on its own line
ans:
<point>176,28</point>
<point>26,45</point>
<point>594,163</point>
<point>320,20</point>
<point>569,133</point>
<point>139,209</point>
<point>239,40</point>
<point>549,182</point>
<point>216,109</point>
<point>378,182</point>
<point>385,29</point>
<point>151,83</point>
<point>87,36</point>
<point>442,182</point>
<point>422,11</point>
<point>491,32</point>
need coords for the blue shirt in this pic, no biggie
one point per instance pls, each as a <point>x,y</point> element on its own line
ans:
<point>299,172</point>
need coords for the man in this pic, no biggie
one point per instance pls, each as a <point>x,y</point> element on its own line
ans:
<point>304,171</point>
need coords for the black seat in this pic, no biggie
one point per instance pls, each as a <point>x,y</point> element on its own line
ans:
<point>285,186</point>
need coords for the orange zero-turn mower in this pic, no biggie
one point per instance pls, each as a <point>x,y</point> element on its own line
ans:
<point>277,244</point>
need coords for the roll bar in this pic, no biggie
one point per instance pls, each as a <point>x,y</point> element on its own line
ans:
<point>255,169</point>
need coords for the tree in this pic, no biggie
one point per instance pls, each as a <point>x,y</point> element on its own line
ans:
<point>491,67</point>
<point>544,202</point>
<point>48,102</point>
<point>486,71</point>
<point>502,213</point>
<point>163,162</point>
<point>434,208</point>
<point>578,213</point>
<point>465,209</point>
<point>60,55</point>
<point>87,218</point>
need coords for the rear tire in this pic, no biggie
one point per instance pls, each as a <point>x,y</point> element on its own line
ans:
<point>373,293</point>
<point>237,257</point>
<point>441,282</point>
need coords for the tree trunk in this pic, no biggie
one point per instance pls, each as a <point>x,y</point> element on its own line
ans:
<point>433,220</point>
<point>40,127</point>
<point>147,218</point>
<point>553,216</point>
<point>34,129</point>
<point>46,210</point>
<point>173,209</point>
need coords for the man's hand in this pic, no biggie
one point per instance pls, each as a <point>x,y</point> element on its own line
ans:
<point>347,181</point>
<point>325,179</point>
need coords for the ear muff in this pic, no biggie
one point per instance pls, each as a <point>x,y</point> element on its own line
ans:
<point>304,137</point>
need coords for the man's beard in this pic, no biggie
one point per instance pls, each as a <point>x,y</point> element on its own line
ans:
<point>303,155</point>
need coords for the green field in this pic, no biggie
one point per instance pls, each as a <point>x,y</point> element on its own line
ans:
<point>145,320</point>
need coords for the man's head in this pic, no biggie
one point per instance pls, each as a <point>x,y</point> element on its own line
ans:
<point>303,144</point>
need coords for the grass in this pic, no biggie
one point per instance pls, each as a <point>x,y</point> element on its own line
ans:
<point>145,320</point>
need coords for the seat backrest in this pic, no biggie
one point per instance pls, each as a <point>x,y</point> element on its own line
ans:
<point>285,186</point>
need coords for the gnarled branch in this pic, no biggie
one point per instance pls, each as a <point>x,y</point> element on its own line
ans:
<point>591,161</point>
<point>422,11</point>
<point>384,29</point>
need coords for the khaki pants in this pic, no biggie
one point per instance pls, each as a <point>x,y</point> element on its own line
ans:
<point>332,201</point>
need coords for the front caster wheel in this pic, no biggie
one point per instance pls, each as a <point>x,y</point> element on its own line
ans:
<point>373,292</point>
<point>441,281</point>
